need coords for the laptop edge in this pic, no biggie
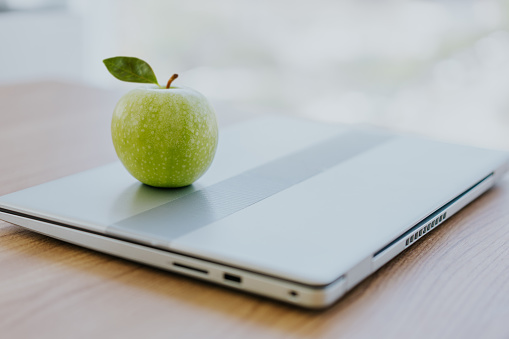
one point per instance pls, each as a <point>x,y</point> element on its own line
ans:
<point>241,279</point>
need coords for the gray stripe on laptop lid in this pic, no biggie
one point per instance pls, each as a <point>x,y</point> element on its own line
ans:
<point>178,217</point>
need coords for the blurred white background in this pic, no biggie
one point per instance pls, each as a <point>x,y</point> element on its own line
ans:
<point>408,65</point>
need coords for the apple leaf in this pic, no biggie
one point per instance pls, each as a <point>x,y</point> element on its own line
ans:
<point>131,70</point>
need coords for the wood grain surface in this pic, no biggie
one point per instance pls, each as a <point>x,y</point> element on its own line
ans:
<point>452,284</point>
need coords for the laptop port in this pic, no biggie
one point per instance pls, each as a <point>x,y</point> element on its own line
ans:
<point>195,269</point>
<point>234,278</point>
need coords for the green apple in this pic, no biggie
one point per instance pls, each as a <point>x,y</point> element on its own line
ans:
<point>165,137</point>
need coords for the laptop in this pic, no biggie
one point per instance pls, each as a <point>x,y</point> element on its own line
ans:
<point>293,210</point>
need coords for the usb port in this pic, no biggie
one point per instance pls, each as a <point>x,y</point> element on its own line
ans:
<point>231,277</point>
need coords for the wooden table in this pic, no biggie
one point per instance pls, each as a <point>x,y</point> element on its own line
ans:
<point>452,284</point>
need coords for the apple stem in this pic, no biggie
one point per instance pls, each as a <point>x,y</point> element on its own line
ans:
<point>173,77</point>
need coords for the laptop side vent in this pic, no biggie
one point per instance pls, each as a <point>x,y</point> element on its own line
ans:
<point>425,229</point>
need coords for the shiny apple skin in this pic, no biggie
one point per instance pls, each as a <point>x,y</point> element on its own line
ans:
<point>165,137</point>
